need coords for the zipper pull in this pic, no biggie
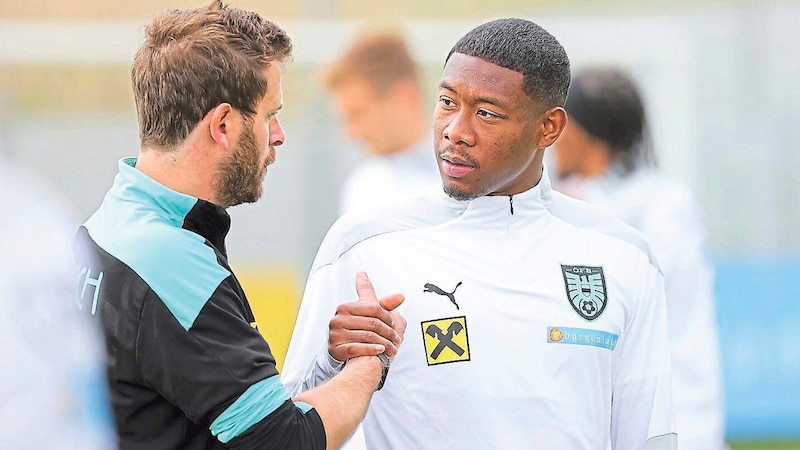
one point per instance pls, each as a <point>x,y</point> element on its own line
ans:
<point>511,203</point>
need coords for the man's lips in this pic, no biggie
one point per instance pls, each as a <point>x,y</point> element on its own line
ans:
<point>456,167</point>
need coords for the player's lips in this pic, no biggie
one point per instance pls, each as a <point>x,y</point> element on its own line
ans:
<point>456,167</point>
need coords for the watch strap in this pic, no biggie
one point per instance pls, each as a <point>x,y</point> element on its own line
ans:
<point>385,360</point>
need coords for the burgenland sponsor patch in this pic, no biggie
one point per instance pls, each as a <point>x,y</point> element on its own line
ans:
<point>582,336</point>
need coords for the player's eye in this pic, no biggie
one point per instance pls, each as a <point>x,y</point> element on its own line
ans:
<point>446,101</point>
<point>487,114</point>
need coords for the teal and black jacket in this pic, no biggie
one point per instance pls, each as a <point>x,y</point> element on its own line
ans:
<point>187,367</point>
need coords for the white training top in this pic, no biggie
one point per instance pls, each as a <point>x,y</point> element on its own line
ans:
<point>671,220</point>
<point>381,180</point>
<point>524,330</point>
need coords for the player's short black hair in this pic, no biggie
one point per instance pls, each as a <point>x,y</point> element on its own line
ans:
<point>525,47</point>
<point>605,102</point>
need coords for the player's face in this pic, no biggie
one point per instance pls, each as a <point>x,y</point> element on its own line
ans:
<point>240,177</point>
<point>486,130</point>
<point>365,114</point>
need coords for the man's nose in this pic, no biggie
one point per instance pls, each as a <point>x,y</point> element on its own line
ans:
<point>276,135</point>
<point>459,129</point>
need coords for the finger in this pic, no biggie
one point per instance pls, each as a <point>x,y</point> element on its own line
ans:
<point>390,302</point>
<point>362,310</point>
<point>346,351</point>
<point>364,288</point>
<point>400,324</point>
<point>352,349</point>
<point>343,323</point>
<point>361,337</point>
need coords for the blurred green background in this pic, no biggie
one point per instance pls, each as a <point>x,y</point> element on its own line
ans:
<point>766,446</point>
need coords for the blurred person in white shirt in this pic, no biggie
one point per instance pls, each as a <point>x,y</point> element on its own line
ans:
<point>376,92</point>
<point>53,384</point>
<point>604,157</point>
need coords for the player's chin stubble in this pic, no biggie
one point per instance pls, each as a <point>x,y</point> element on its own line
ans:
<point>239,178</point>
<point>459,194</point>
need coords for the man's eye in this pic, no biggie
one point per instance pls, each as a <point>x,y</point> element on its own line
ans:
<point>446,101</point>
<point>485,113</point>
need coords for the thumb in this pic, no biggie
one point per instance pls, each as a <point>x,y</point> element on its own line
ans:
<point>390,302</point>
<point>364,288</point>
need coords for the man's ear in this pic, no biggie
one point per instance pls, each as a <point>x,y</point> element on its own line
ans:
<point>221,124</point>
<point>552,123</point>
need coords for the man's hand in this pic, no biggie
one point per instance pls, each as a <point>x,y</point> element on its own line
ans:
<point>367,327</point>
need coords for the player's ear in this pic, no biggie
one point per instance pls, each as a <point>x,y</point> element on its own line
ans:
<point>552,123</point>
<point>221,124</point>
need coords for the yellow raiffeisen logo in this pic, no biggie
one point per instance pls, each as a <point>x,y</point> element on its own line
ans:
<point>446,340</point>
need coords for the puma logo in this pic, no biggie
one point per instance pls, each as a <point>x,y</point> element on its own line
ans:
<point>429,287</point>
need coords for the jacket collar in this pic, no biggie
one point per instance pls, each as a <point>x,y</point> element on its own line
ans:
<point>208,220</point>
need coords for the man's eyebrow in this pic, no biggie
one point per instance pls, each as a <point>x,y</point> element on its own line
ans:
<point>445,85</point>
<point>489,100</point>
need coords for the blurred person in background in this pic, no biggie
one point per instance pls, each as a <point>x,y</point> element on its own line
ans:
<point>53,391</point>
<point>187,367</point>
<point>376,91</point>
<point>604,156</point>
<point>542,320</point>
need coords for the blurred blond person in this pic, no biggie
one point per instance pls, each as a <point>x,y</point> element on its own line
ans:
<point>376,92</point>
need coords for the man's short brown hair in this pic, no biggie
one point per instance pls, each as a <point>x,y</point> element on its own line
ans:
<point>193,60</point>
<point>381,58</point>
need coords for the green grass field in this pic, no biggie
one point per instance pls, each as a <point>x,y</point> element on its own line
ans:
<point>766,446</point>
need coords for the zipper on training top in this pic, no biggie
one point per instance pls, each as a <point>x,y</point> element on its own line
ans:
<point>511,203</point>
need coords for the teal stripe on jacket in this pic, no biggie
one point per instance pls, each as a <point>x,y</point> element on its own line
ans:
<point>256,403</point>
<point>139,223</point>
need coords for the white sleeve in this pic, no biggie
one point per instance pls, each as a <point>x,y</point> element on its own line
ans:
<point>642,414</point>
<point>307,362</point>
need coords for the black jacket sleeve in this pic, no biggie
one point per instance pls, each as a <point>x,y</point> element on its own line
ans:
<point>209,369</point>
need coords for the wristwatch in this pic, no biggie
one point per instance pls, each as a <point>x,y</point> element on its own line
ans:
<point>385,360</point>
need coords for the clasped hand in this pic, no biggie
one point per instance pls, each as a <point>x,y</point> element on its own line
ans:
<point>366,327</point>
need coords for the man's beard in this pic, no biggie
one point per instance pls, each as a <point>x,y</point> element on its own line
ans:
<point>239,178</point>
<point>460,195</point>
<point>451,190</point>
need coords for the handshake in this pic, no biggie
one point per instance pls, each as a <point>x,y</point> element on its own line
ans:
<point>367,327</point>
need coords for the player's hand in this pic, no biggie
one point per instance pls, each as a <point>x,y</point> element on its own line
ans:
<point>367,327</point>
